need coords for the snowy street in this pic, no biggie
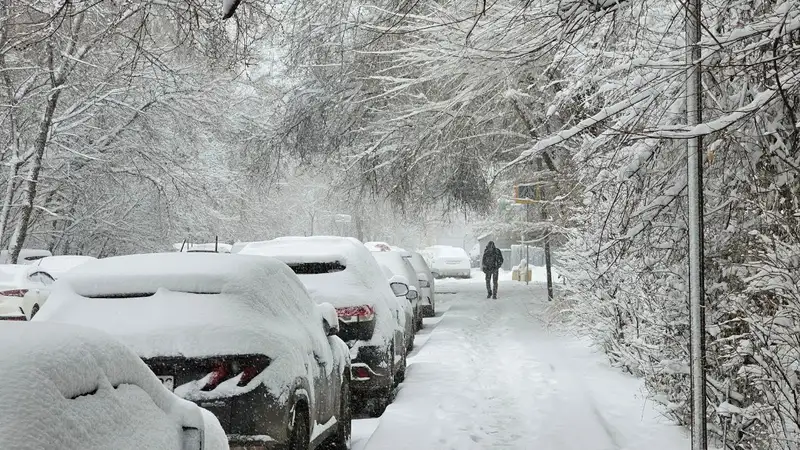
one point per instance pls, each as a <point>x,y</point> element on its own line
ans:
<point>490,374</point>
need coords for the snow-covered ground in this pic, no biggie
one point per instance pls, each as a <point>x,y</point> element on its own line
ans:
<point>490,374</point>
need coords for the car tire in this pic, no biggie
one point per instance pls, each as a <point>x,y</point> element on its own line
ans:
<point>401,374</point>
<point>385,395</point>
<point>299,433</point>
<point>419,324</point>
<point>34,310</point>
<point>341,441</point>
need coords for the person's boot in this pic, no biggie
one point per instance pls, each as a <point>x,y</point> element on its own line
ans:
<point>489,295</point>
<point>494,296</point>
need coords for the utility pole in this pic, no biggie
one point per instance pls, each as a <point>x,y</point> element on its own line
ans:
<point>694,172</point>
<point>542,196</point>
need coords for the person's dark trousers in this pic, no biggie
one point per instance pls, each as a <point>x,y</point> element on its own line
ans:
<point>491,282</point>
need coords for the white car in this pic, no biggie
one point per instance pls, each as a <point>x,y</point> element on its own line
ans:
<point>445,261</point>
<point>24,288</point>
<point>340,271</point>
<point>427,284</point>
<point>74,388</point>
<point>57,266</point>
<point>397,265</point>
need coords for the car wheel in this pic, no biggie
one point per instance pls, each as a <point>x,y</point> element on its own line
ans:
<point>344,419</point>
<point>34,310</point>
<point>299,432</point>
<point>401,373</point>
<point>385,395</point>
<point>419,320</point>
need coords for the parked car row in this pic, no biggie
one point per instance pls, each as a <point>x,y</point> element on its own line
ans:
<point>271,346</point>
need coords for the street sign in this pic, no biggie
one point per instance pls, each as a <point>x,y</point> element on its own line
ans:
<point>527,193</point>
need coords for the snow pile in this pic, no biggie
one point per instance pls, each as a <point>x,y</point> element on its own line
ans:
<point>360,283</point>
<point>202,304</point>
<point>74,388</point>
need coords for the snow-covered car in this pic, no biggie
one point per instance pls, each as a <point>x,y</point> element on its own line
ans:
<point>26,255</point>
<point>24,288</point>
<point>427,284</point>
<point>74,388</point>
<point>341,271</point>
<point>394,261</point>
<point>236,334</point>
<point>445,261</point>
<point>403,305</point>
<point>205,247</point>
<point>57,266</point>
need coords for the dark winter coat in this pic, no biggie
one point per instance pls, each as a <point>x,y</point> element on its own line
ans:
<point>492,258</point>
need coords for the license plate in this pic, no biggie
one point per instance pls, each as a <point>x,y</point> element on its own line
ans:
<point>167,381</point>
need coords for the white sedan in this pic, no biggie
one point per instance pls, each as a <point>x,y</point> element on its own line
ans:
<point>23,290</point>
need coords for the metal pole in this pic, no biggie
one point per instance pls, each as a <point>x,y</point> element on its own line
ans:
<point>694,168</point>
<point>548,268</point>
<point>525,242</point>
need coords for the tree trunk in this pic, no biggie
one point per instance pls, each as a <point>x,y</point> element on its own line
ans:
<point>8,199</point>
<point>29,194</point>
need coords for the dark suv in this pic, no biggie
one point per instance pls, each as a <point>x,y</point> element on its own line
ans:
<point>341,271</point>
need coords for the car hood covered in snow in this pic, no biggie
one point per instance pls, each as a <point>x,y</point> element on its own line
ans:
<point>71,387</point>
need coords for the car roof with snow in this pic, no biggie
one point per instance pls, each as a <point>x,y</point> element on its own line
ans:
<point>448,251</point>
<point>60,264</point>
<point>357,283</point>
<point>73,387</point>
<point>184,272</point>
<point>189,304</point>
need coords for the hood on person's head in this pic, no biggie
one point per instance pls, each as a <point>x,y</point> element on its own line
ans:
<point>490,245</point>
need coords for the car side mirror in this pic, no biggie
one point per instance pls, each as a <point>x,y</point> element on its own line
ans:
<point>330,319</point>
<point>412,294</point>
<point>399,289</point>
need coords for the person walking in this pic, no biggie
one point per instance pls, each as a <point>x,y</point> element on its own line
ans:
<point>491,264</point>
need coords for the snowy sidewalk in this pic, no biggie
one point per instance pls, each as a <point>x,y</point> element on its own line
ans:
<point>491,376</point>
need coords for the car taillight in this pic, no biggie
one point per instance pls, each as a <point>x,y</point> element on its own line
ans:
<point>361,313</point>
<point>360,373</point>
<point>14,293</point>
<point>424,283</point>
<point>217,376</point>
<point>248,366</point>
